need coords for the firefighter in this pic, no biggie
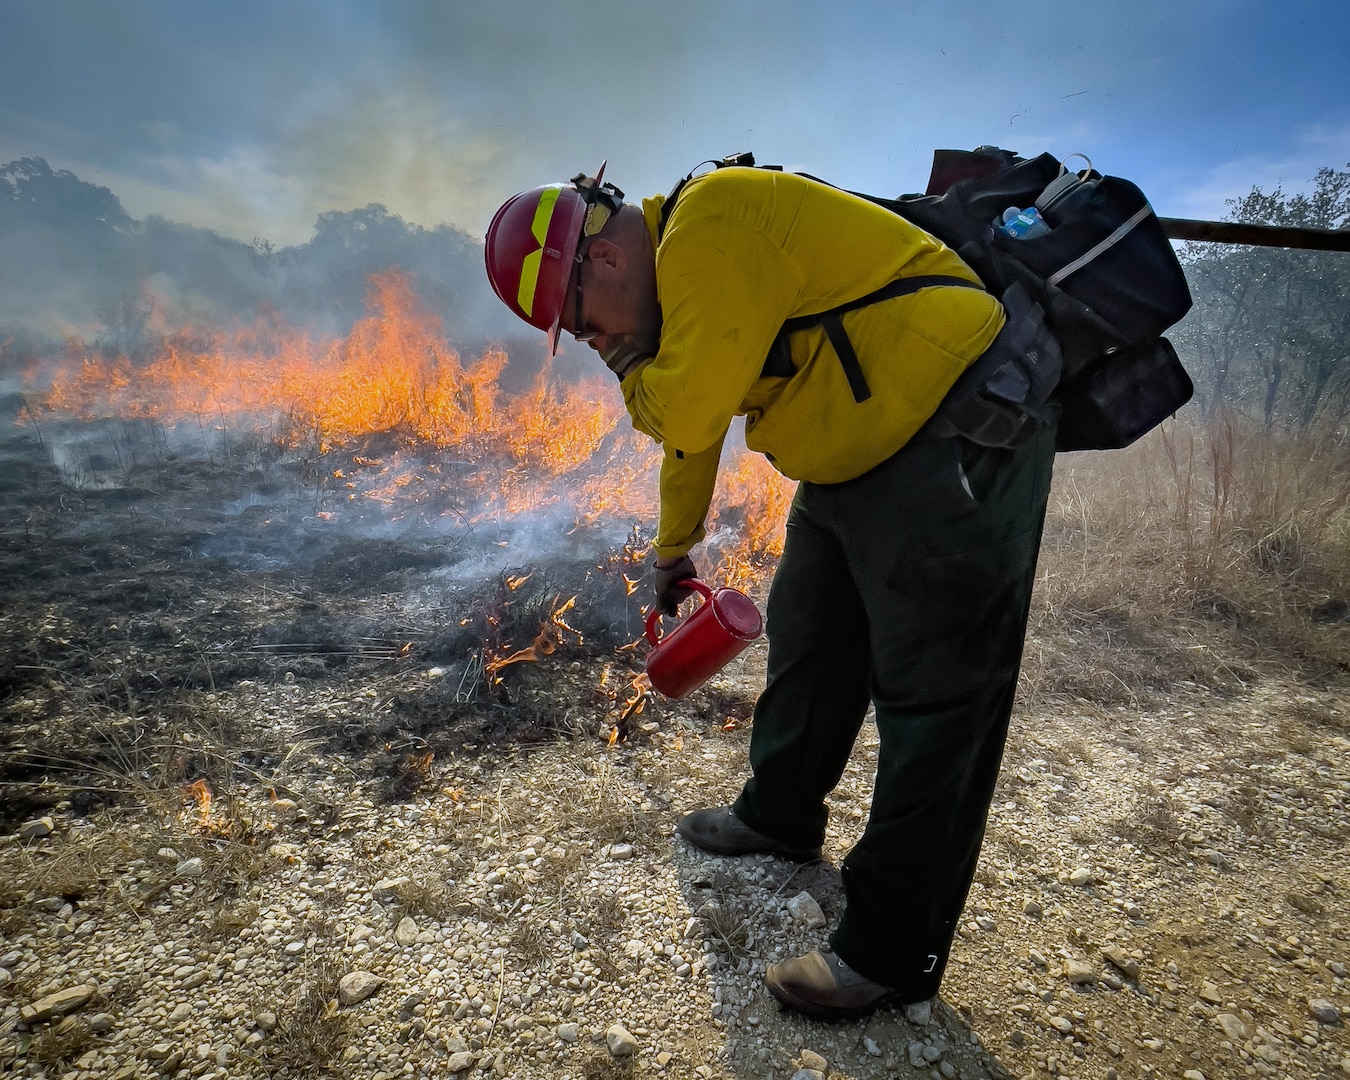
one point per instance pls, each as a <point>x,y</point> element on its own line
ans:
<point>906,574</point>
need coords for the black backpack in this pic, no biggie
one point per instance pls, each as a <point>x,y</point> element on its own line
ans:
<point>1087,301</point>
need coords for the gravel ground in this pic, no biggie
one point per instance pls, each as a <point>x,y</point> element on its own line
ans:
<point>1161,895</point>
<point>407,871</point>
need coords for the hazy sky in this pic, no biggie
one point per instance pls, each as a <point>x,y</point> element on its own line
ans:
<point>251,117</point>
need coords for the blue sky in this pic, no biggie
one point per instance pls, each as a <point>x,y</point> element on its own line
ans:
<point>252,117</point>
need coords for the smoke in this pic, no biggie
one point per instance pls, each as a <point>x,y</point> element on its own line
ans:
<point>76,265</point>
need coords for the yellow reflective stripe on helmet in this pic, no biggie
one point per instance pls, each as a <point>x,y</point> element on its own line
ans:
<point>529,280</point>
<point>543,213</point>
<point>529,267</point>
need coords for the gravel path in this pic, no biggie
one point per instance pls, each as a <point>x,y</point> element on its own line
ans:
<point>1162,894</point>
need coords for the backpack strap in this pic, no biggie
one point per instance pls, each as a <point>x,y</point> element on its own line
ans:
<point>779,362</point>
<point>745,158</point>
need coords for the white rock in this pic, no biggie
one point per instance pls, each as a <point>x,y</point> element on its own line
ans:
<point>461,1061</point>
<point>36,829</point>
<point>621,852</point>
<point>406,931</point>
<point>919,1012</point>
<point>387,889</point>
<point>357,986</point>
<point>1119,958</point>
<point>190,868</point>
<point>804,909</point>
<point>1232,1026</point>
<point>57,1004</point>
<point>1080,973</point>
<point>620,1042</point>
<point>1082,877</point>
<point>1192,1074</point>
<point>569,1033</point>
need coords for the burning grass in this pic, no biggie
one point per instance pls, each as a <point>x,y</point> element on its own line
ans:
<point>390,423</point>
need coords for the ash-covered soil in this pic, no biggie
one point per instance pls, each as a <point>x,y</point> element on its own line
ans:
<point>1162,892</point>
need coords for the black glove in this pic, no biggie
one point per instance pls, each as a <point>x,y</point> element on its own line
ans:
<point>667,582</point>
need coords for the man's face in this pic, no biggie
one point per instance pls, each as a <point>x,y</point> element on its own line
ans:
<point>612,305</point>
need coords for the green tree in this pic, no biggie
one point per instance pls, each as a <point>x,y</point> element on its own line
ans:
<point>1270,326</point>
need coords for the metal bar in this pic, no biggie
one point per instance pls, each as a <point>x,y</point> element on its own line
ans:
<point>1232,232</point>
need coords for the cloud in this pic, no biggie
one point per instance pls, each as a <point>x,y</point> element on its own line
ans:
<point>253,118</point>
<point>1312,147</point>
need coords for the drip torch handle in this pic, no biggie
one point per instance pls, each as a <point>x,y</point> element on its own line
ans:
<point>654,616</point>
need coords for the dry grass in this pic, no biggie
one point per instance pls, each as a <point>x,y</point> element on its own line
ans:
<point>429,895</point>
<point>311,1031</point>
<point>1153,824</point>
<point>601,805</point>
<point>61,1043</point>
<point>1153,552</point>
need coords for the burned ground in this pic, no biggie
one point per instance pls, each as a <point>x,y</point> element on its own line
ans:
<point>128,607</point>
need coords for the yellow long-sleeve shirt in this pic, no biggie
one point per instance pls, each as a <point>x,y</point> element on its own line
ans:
<point>746,249</point>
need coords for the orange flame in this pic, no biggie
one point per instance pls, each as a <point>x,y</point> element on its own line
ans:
<point>545,643</point>
<point>198,793</point>
<point>557,444</point>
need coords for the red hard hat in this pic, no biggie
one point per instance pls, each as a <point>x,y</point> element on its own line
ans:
<point>532,243</point>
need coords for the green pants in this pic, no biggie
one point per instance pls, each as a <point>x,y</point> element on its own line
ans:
<point>909,587</point>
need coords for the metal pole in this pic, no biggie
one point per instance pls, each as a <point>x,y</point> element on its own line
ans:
<point>1232,232</point>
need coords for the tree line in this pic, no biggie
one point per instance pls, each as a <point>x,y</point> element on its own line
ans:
<point>1269,332</point>
<point>75,265</point>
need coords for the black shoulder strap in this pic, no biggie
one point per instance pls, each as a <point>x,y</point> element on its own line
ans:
<point>779,363</point>
<point>889,291</point>
<point>744,158</point>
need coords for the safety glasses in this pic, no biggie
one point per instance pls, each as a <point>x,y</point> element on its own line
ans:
<point>604,201</point>
<point>581,333</point>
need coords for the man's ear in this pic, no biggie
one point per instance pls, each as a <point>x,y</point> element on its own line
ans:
<point>605,252</point>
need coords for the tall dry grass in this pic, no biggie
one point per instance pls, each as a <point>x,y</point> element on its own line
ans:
<point>1223,531</point>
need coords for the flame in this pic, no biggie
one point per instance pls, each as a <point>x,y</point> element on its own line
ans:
<point>546,643</point>
<point>556,444</point>
<point>639,689</point>
<point>196,796</point>
<point>198,793</point>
